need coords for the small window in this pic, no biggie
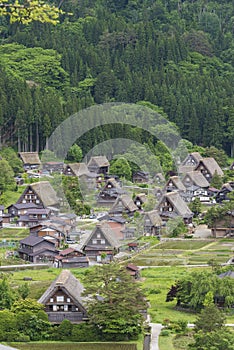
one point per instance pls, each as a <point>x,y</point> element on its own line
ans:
<point>60,298</point>
<point>103,241</point>
<point>54,307</point>
<point>51,300</point>
<point>94,241</point>
<point>68,300</point>
<point>65,307</point>
<point>98,235</point>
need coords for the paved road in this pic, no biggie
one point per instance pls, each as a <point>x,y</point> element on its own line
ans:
<point>4,347</point>
<point>155,331</point>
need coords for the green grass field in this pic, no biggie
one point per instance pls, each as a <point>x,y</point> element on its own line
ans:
<point>156,283</point>
<point>13,234</point>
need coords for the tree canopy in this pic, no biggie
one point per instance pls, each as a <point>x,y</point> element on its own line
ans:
<point>114,302</point>
<point>30,10</point>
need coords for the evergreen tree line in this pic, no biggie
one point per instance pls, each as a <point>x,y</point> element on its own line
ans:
<point>177,55</point>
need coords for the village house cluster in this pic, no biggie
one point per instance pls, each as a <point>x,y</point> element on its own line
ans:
<point>113,236</point>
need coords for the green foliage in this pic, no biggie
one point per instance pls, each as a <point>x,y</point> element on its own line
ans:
<point>28,304</point>
<point>218,154</point>
<point>121,168</point>
<point>175,227</point>
<point>219,339</point>
<point>108,55</point>
<point>75,154</point>
<point>29,11</point>
<point>7,294</point>
<point>31,325</point>
<point>115,302</point>
<point>216,181</point>
<point>218,212</point>
<point>34,64</point>
<point>210,332</point>
<point>196,289</point>
<point>14,161</point>
<point>7,181</point>
<point>64,330</point>
<point>195,206</point>
<point>84,332</point>
<point>23,290</point>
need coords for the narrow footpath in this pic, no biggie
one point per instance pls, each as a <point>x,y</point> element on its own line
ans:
<point>155,331</point>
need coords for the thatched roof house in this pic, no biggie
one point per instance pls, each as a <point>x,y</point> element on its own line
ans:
<point>208,167</point>
<point>195,178</point>
<point>30,160</point>
<point>76,169</point>
<point>63,299</point>
<point>123,205</point>
<point>172,205</point>
<point>101,240</point>
<point>99,164</point>
<point>152,222</point>
<point>41,193</point>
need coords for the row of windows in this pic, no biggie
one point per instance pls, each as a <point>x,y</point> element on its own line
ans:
<point>102,241</point>
<point>60,298</point>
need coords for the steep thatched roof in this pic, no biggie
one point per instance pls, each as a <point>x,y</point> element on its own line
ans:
<point>197,179</point>
<point>99,161</point>
<point>142,197</point>
<point>107,232</point>
<point>45,192</point>
<point>127,203</point>
<point>160,177</point>
<point>78,169</point>
<point>177,183</point>
<point>184,169</point>
<point>179,205</point>
<point>154,218</point>
<point>211,165</point>
<point>112,181</point>
<point>195,155</point>
<point>66,281</point>
<point>30,157</point>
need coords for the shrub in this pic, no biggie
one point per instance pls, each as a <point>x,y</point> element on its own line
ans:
<point>165,332</point>
<point>154,291</point>
<point>84,333</point>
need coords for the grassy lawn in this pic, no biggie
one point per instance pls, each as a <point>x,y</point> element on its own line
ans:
<point>10,197</point>
<point>156,284</point>
<point>74,346</point>
<point>41,279</point>
<point>175,342</point>
<point>166,342</point>
<point>14,234</point>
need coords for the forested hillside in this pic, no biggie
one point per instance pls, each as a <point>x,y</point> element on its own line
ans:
<point>178,55</point>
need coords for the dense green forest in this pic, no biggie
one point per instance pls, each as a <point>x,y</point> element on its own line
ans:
<point>178,55</point>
